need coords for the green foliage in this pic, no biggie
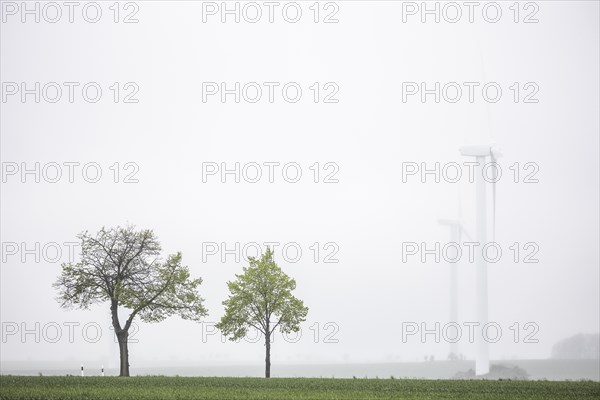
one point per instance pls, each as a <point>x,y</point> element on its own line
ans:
<point>169,290</point>
<point>123,266</point>
<point>261,297</point>
<point>160,387</point>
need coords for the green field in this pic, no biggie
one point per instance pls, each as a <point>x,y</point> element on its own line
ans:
<point>159,387</point>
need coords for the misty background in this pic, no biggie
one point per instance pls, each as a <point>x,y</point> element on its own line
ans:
<point>368,214</point>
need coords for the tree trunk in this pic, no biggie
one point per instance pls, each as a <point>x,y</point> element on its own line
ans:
<point>123,352</point>
<point>122,338</point>
<point>268,355</point>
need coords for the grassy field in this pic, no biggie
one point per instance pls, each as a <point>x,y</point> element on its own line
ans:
<point>159,387</point>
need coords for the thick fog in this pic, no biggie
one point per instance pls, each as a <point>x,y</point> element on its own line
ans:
<point>368,114</point>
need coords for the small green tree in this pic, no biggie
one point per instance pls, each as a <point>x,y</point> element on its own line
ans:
<point>261,298</point>
<point>123,266</point>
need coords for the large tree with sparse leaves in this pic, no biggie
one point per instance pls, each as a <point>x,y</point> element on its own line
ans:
<point>123,266</point>
<point>261,298</point>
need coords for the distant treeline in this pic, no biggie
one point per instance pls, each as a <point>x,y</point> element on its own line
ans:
<point>580,346</point>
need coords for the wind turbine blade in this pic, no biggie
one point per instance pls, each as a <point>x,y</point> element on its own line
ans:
<point>495,162</point>
<point>461,223</point>
<point>459,204</point>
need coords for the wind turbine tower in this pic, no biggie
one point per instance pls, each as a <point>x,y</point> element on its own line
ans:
<point>481,153</point>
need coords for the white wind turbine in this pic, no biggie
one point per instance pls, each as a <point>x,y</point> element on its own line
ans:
<point>457,229</point>
<point>481,154</point>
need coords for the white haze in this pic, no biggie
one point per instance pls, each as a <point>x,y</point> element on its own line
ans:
<point>369,213</point>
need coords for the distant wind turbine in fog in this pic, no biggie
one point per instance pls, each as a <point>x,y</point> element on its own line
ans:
<point>481,153</point>
<point>456,230</point>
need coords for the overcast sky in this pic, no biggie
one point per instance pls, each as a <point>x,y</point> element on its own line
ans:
<point>361,221</point>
